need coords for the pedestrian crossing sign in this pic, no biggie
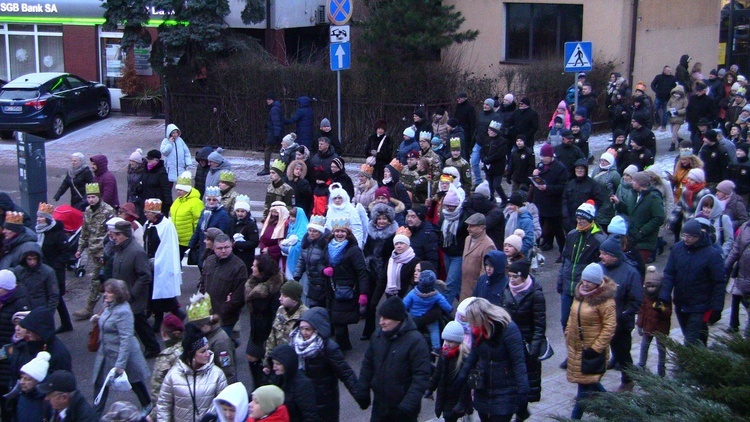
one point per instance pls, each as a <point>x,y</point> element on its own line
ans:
<point>578,56</point>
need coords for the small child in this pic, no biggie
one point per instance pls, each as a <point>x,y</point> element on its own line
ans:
<point>457,161</point>
<point>231,405</point>
<point>320,191</point>
<point>287,316</point>
<point>554,137</point>
<point>30,400</point>
<point>268,405</point>
<point>421,299</point>
<point>654,318</point>
<point>449,403</point>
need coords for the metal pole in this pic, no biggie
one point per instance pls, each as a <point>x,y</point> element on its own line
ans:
<point>575,83</point>
<point>729,50</point>
<point>338,103</point>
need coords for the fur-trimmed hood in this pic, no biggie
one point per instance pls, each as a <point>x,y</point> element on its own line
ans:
<point>398,206</point>
<point>604,292</point>
<point>292,165</point>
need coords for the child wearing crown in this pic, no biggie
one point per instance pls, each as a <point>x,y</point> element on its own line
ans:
<point>278,190</point>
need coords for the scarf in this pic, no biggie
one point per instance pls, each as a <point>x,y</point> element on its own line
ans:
<point>450,225</point>
<point>388,180</point>
<point>305,348</point>
<point>377,233</point>
<point>74,171</point>
<point>585,293</point>
<point>515,289</point>
<point>336,251</point>
<point>690,191</point>
<point>151,166</point>
<point>279,231</point>
<point>511,223</point>
<point>393,284</point>
<point>450,352</point>
<point>41,229</point>
<point>588,226</point>
<point>4,298</point>
<point>479,334</point>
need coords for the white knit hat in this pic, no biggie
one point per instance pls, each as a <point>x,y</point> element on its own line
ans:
<point>516,239</point>
<point>409,132</point>
<point>7,280</point>
<point>242,202</point>
<point>37,368</point>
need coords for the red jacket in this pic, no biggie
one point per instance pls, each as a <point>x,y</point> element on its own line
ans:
<point>653,321</point>
<point>278,415</point>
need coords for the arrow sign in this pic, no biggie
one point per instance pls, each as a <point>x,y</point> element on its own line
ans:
<point>340,56</point>
<point>578,56</point>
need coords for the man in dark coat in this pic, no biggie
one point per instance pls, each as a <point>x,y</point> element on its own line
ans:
<point>76,178</point>
<point>577,191</point>
<point>645,216</point>
<point>305,124</point>
<point>567,153</point>
<point>326,131</point>
<point>396,367</point>
<point>38,278</point>
<point>202,169</point>
<point>56,253</point>
<point>7,204</point>
<point>17,301</point>
<point>642,133</point>
<point>299,391</point>
<point>548,197</point>
<point>628,301</point>
<point>484,118</point>
<point>700,106</point>
<point>60,388</point>
<point>587,99</point>
<point>325,155</point>
<point>15,234</point>
<point>694,280</point>
<point>715,159</point>
<point>525,121</point>
<point>466,116</point>
<point>641,112</point>
<point>424,236</point>
<point>682,73</point>
<point>224,276</point>
<point>130,264</point>
<point>274,132</point>
<point>662,86</point>
<point>40,328</point>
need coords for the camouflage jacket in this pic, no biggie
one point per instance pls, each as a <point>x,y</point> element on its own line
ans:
<point>283,325</point>
<point>436,164</point>
<point>228,199</point>
<point>464,170</point>
<point>95,229</point>
<point>283,192</point>
<point>163,363</point>
<point>408,177</point>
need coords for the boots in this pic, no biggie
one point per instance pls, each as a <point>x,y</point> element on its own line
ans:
<point>86,313</point>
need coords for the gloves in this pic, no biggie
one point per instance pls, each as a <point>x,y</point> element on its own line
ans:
<point>659,306</point>
<point>363,300</point>
<point>711,317</point>
<point>328,271</point>
<point>238,237</point>
<point>57,198</point>
<point>707,316</point>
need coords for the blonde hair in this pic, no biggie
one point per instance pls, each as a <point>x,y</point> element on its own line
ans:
<point>481,313</point>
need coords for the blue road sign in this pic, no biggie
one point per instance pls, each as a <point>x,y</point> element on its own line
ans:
<point>579,56</point>
<point>339,11</point>
<point>341,56</point>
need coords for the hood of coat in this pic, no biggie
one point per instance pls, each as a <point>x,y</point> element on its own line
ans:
<point>479,203</point>
<point>292,165</point>
<point>236,395</point>
<point>101,164</point>
<point>188,370</point>
<point>170,128</point>
<point>30,248</point>
<point>716,211</point>
<point>303,101</point>
<point>6,203</point>
<point>376,211</point>
<point>679,89</point>
<point>685,60</point>
<point>320,242</point>
<point>318,318</point>
<point>202,154</point>
<point>286,356</point>
<point>395,176</point>
<point>604,292</point>
<point>499,260</point>
<point>40,321</point>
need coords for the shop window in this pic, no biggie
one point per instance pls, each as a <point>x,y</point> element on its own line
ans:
<point>29,49</point>
<point>539,31</point>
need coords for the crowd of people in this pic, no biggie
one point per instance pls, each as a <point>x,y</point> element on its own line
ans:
<point>435,243</point>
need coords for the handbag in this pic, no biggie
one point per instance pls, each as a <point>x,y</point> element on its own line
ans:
<point>475,381</point>
<point>546,350</point>
<point>592,362</point>
<point>343,293</point>
<point>93,343</point>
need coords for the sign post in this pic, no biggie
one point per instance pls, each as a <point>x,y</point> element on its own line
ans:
<point>579,57</point>
<point>339,13</point>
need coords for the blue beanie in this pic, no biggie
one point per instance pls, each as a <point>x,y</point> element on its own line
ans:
<point>427,281</point>
<point>692,227</point>
<point>618,225</point>
<point>611,246</point>
<point>593,274</point>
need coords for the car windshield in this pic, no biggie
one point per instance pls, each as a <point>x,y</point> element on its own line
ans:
<point>18,94</point>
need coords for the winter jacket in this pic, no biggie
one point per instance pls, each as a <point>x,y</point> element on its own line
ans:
<point>398,191</point>
<point>654,321</point>
<point>682,73</point>
<point>581,249</point>
<point>641,158</point>
<point>118,345</point>
<point>223,348</point>
<point>312,262</point>
<point>493,214</point>
<point>202,171</point>
<point>283,324</point>
<point>524,221</point>
<point>492,287</point>
<point>521,165</point>
<point>184,386</point>
<point>629,291</point>
<point>467,118</point>
<point>699,107</point>
<point>348,212</point>
<point>323,160</point>
<point>694,275</point>
<point>418,303</point>
<point>79,410</point>
<point>299,391</point>
<point>40,281</point>
<point>683,211</point>
<point>405,147</point>
<point>275,124</point>
<point>716,162</point>
<point>167,358</point>
<point>528,310</point>
<point>597,313</point>
<point>443,378</point>
<point>18,301</point>
<point>472,266</point>
<point>185,213</point>
<point>214,173</point>
<point>678,104</point>
<point>501,358</point>
<point>55,250</point>
<point>7,204</point>
<point>222,278</point>
<point>483,123</point>
<point>646,217</point>
<point>645,138</point>
<point>30,406</point>
<point>262,300</point>
<point>106,180</point>
<point>365,193</point>
<point>327,367</point>
<point>608,181</point>
<point>176,155</point>
<point>13,250</point>
<point>736,210</point>
<point>42,322</point>
<point>301,187</point>
<point>130,264</point>
<point>350,273</point>
<point>303,118</point>
<point>76,181</point>
<point>740,255</point>
<point>244,249</point>
<point>524,122</point>
<point>577,191</point>
<point>549,201</point>
<point>218,218</point>
<point>662,86</point>
<point>723,227</point>
<point>379,245</point>
<point>396,367</point>
<point>494,155</point>
<point>740,174</point>
<point>156,184</point>
<point>568,154</point>
<point>383,155</point>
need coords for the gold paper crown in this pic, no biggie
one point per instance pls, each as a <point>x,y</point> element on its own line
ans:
<point>340,223</point>
<point>13,217</point>
<point>46,208</point>
<point>367,169</point>
<point>446,178</point>
<point>200,307</point>
<point>186,178</point>
<point>92,189</point>
<point>425,135</point>
<point>455,143</point>
<point>152,205</point>
<point>279,165</point>
<point>396,165</point>
<point>226,176</point>
<point>403,231</point>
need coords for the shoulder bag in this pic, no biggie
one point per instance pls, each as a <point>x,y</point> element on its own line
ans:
<point>93,343</point>
<point>592,363</point>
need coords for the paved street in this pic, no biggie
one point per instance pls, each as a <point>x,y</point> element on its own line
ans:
<point>118,136</point>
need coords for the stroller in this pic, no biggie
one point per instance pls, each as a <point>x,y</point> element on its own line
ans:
<point>72,220</point>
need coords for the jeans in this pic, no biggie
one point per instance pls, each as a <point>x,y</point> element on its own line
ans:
<point>584,391</point>
<point>693,327</point>
<point>453,277</point>
<point>661,350</point>
<point>434,329</point>
<point>734,315</point>
<point>620,346</point>
<point>474,161</point>
<point>566,301</point>
<point>660,112</point>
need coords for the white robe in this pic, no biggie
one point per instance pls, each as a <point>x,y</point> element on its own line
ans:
<point>167,266</point>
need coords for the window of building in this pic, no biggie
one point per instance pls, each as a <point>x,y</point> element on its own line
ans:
<point>540,31</point>
<point>111,58</point>
<point>30,48</point>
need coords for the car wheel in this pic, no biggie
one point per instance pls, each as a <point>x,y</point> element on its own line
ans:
<point>6,134</point>
<point>103,108</point>
<point>58,126</point>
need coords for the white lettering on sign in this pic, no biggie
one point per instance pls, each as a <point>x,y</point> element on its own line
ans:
<point>29,7</point>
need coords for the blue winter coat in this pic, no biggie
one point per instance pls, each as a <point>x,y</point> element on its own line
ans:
<point>275,123</point>
<point>492,287</point>
<point>30,406</point>
<point>696,275</point>
<point>218,218</point>
<point>405,147</point>
<point>525,222</point>
<point>418,303</point>
<point>303,117</point>
<point>629,293</point>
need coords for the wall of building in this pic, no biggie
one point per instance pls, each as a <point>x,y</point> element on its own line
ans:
<point>80,51</point>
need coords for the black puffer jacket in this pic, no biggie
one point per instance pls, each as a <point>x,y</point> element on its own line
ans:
<point>577,191</point>
<point>351,272</point>
<point>299,390</point>
<point>42,322</point>
<point>17,302</point>
<point>77,186</point>
<point>568,154</point>
<point>326,368</point>
<point>379,245</point>
<point>156,185</point>
<point>55,251</point>
<point>424,241</point>
<point>529,311</point>
<point>313,261</point>
<point>245,249</point>
<point>549,201</point>
<point>201,171</point>
<point>397,368</point>
<point>493,214</point>
<point>40,281</point>
<point>494,155</point>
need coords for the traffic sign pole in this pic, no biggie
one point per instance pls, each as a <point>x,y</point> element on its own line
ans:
<point>575,84</point>
<point>338,102</point>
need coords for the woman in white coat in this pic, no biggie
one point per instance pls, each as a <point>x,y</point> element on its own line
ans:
<point>175,153</point>
<point>340,206</point>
